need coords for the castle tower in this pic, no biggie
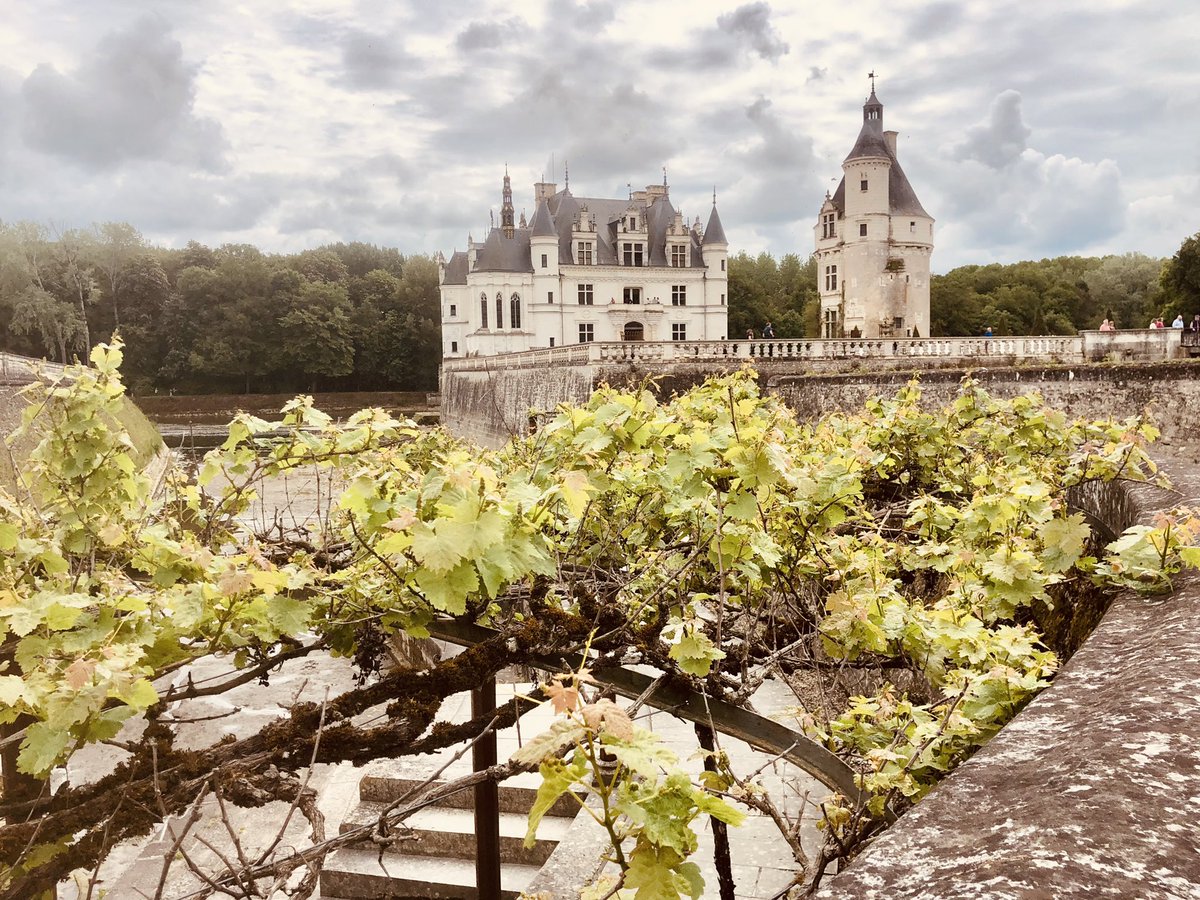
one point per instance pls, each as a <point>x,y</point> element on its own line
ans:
<point>873,243</point>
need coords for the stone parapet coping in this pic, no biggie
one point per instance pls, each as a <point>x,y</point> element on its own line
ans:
<point>1093,789</point>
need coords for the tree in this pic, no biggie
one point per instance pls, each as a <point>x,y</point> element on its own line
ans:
<point>115,244</point>
<point>757,543</point>
<point>317,332</point>
<point>1181,277</point>
<point>1126,288</point>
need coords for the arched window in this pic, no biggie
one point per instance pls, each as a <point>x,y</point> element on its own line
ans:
<point>483,311</point>
<point>499,311</point>
<point>514,311</point>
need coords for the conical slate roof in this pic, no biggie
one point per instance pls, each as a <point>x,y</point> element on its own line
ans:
<point>713,232</point>
<point>543,223</point>
<point>871,144</point>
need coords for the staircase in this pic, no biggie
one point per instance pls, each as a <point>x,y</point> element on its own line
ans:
<point>435,855</point>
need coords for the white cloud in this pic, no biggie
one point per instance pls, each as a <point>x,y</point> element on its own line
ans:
<point>392,122</point>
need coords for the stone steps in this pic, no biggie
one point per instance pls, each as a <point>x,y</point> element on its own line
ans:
<point>358,873</point>
<point>516,795</point>
<point>442,832</point>
<point>434,855</point>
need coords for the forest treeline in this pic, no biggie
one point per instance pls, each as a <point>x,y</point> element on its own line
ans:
<point>1050,296</point>
<point>200,320</point>
<point>360,317</point>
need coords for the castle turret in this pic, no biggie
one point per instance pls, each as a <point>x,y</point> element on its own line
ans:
<point>873,241</point>
<point>543,253</point>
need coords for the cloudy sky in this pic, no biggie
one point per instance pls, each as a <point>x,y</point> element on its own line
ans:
<point>1028,129</point>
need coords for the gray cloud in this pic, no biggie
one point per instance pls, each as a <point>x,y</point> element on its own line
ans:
<point>1001,139</point>
<point>131,98</point>
<point>491,35</point>
<point>373,61</point>
<point>751,23</point>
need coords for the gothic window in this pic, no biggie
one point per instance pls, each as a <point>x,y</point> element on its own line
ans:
<point>679,332</point>
<point>678,256</point>
<point>514,311</point>
<point>679,295</point>
<point>587,332</point>
<point>586,295</point>
<point>483,310</point>
<point>633,254</point>
<point>583,255</point>
<point>633,295</point>
<point>831,278</point>
<point>499,311</point>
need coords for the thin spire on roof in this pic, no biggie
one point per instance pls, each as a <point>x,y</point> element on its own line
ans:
<point>664,176</point>
<point>714,195</point>
<point>871,75</point>
<point>566,175</point>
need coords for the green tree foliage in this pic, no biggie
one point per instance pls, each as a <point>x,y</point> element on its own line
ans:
<point>713,537</point>
<point>1054,296</point>
<point>784,293</point>
<point>232,318</point>
<point>1181,278</point>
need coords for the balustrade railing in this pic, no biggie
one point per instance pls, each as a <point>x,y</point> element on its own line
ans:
<point>1017,348</point>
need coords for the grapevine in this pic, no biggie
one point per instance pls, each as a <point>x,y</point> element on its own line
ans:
<point>901,558</point>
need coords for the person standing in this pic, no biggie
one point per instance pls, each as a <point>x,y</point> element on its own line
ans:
<point>1178,323</point>
<point>1195,326</point>
<point>1106,325</point>
<point>768,330</point>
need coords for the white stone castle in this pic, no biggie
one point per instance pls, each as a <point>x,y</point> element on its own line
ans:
<point>586,269</point>
<point>873,243</point>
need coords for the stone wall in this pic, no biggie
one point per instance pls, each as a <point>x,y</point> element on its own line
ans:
<point>490,406</point>
<point>1090,791</point>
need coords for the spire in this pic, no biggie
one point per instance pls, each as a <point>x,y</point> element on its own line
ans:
<point>713,232</point>
<point>566,176</point>
<point>506,211</point>
<point>664,176</point>
<point>543,223</point>
<point>871,142</point>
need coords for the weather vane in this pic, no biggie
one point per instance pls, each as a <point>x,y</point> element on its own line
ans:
<point>871,75</point>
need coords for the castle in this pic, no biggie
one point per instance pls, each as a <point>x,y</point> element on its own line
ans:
<point>873,243</point>
<point>585,269</point>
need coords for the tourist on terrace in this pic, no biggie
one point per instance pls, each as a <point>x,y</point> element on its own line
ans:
<point>1195,326</point>
<point>768,330</point>
<point>1178,323</point>
<point>1106,325</point>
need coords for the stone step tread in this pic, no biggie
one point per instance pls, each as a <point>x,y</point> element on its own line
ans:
<point>451,833</point>
<point>354,873</point>
<point>460,821</point>
<point>515,794</point>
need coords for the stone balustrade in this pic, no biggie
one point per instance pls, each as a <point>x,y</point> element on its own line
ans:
<point>1087,346</point>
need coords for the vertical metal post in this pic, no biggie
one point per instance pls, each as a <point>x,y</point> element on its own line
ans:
<point>487,800</point>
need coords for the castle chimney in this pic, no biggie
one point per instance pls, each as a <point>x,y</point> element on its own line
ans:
<point>889,138</point>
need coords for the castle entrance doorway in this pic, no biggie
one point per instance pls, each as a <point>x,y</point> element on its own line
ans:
<point>633,332</point>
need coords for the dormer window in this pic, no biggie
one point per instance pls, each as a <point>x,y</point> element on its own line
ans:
<point>633,223</point>
<point>678,256</point>
<point>632,254</point>
<point>583,253</point>
<point>828,226</point>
